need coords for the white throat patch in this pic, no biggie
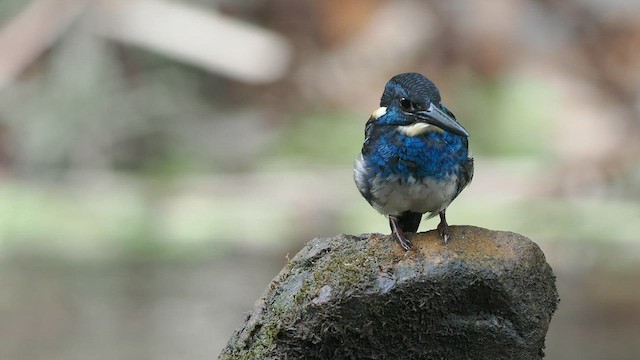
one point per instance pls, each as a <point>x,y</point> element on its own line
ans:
<point>418,128</point>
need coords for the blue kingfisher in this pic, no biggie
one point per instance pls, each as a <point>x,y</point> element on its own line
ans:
<point>415,158</point>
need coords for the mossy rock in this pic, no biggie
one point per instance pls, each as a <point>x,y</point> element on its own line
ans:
<point>485,295</point>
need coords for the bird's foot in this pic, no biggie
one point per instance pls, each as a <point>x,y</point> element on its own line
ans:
<point>402,239</point>
<point>404,242</point>
<point>443,227</point>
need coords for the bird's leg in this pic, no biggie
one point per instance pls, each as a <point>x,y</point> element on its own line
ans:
<point>404,242</point>
<point>443,227</point>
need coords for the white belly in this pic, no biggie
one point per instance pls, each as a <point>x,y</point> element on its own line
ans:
<point>421,196</point>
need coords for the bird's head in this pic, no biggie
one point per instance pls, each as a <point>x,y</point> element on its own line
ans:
<point>412,102</point>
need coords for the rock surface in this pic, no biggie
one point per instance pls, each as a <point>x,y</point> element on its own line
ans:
<point>485,295</point>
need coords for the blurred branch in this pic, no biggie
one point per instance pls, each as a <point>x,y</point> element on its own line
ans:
<point>203,38</point>
<point>32,32</point>
<point>195,36</point>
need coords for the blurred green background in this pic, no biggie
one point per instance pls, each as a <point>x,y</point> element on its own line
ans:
<point>159,160</point>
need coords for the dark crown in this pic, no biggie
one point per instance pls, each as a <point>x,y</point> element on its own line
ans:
<point>413,86</point>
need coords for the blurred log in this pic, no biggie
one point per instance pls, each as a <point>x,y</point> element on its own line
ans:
<point>485,295</point>
<point>32,32</point>
<point>184,32</point>
<point>196,36</point>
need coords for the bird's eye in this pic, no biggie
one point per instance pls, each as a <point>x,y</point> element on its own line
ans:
<point>406,104</point>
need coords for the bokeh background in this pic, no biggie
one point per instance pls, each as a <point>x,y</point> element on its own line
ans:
<point>160,160</point>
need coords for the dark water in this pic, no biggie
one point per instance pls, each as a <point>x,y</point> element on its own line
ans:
<point>51,309</point>
<point>56,310</point>
<point>599,312</point>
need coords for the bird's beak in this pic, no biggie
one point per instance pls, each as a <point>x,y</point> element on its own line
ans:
<point>434,116</point>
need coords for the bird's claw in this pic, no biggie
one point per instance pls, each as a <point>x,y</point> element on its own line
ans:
<point>402,239</point>
<point>443,228</point>
<point>405,243</point>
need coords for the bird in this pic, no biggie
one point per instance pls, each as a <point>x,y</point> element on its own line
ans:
<point>415,157</point>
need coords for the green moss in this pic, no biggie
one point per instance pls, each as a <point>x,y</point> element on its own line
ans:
<point>342,271</point>
<point>303,295</point>
<point>488,293</point>
<point>262,344</point>
<point>265,343</point>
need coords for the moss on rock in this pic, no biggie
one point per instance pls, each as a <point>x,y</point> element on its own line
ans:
<point>485,295</point>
